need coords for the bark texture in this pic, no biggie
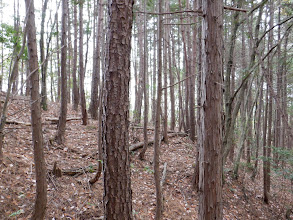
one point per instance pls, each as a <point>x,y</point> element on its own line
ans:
<point>37,136</point>
<point>210,152</point>
<point>115,122</point>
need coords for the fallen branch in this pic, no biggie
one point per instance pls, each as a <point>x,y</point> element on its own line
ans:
<point>79,171</point>
<point>152,129</point>
<point>56,120</point>
<point>140,145</point>
<point>150,142</point>
<point>98,174</point>
<point>12,122</point>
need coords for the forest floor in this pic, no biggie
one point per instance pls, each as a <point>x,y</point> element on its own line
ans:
<point>71,197</point>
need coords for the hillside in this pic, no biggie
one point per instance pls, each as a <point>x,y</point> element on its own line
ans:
<point>71,197</point>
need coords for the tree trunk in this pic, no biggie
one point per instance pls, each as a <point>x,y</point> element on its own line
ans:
<point>165,117</point>
<point>259,109</point>
<point>192,82</point>
<point>58,59</point>
<point>96,72</point>
<point>75,95</point>
<point>154,76</point>
<point>15,46</point>
<point>198,117</point>
<point>267,176</point>
<point>210,153</point>
<point>60,138</point>
<point>279,76</point>
<point>159,198</point>
<point>69,52</point>
<point>42,51</point>
<point>115,124</point>
<point>81,67</point>
<point>139,81</point>
<point>37,137</point>
<point>171,76</point>
<point>145,89</point>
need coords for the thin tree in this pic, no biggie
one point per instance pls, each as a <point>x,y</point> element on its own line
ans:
<point>16,45</point>
<point>139,82</point>
<point>115,122</point>
<point>157,139</point>
<point>198,117</point>
<point>37,137</point>
<point>145,89</point>
<point>75,93</point>
<point>58,57</point>
<point>12,76</point>
<point>165,65</point>
<point>60,138</point>
<point>81,66</point>
<point>42,52</point>
<point>96,72</point>
<point>210,152</point>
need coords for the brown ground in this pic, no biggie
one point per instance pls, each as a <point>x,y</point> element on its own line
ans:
<point>73,198</point>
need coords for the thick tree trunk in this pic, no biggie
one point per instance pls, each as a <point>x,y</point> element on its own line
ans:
<point>115,123</point>
<point>210,153</point>
<point>37,137</point>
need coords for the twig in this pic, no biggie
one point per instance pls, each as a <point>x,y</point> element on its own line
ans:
<point>235,9</point>
<point>168,13</point>
<point>179,81</point>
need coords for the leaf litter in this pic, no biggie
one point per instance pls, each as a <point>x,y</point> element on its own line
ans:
<point>72,197</point>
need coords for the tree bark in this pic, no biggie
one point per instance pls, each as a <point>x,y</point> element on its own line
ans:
<point>145,89</point>
<point>210,153</point>
<point>171,76</point>
<point>37,137</point>
<point>81,66</point>
<point>198,117</point>
<point>60,138</point>
<point>42,51</point>
<point>75,95</point>
<point>157,143</point>
<point>115,122</point>
<point>165,60</point>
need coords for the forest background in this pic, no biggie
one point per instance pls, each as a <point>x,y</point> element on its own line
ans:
<point>253,115</point>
